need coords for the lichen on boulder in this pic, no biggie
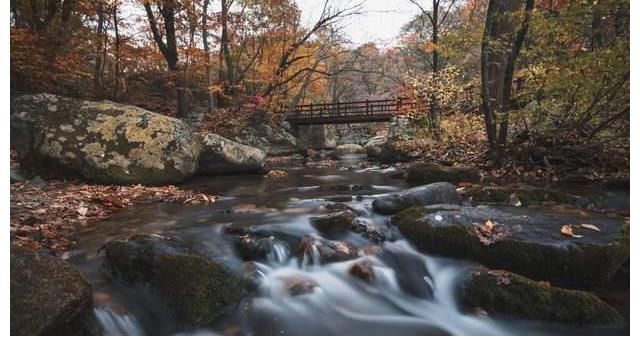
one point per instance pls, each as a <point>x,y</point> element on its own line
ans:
<point>508,294</point>
<point>196,289</point>
<point>531,245</point>
<point>108,142</point>
<point>49,297</point>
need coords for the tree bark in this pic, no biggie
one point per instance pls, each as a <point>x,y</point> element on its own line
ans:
<point>97,75</point>
<point>211,100</point>
<point>502,41</point>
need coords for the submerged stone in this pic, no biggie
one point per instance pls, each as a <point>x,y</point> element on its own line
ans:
<point>196,289</point>
<point>49,297</point>
<point>531,245</point>
<point>512,295</point>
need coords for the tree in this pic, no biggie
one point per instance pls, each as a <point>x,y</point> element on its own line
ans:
<point>436,18</point>
<point>168,48</point>
<point>501,44</point>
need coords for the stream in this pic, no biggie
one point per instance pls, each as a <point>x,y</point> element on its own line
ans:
<point>339,303</point>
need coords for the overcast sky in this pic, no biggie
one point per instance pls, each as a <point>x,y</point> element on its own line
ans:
<point>380,23</point>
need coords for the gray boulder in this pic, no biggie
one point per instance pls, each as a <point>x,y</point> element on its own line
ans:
<point>49,297</point>
<point>374,146</point>
<point>105,141</point>
<point>434,193</point>
<point>222,156</point>
<point>349,149</point>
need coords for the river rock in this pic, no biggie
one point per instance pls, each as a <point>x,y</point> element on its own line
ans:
<point>367,230</point>
<point>326,251</point>
<point>349,149</point>
<point>272,139</point>
<point>49,297</point>
<point>374,147</point>
<point>223,156</point>
<point>394,152</point>
<point>434,193</point>
<point>531,244</point>
<point>108,142</point>
<point>196,289</point>
<point>363,271</point>
<point>426,173</point>
<point>336,222</point>
<point>527,195</point>
<point>254,248</point>
<point>508,294</point>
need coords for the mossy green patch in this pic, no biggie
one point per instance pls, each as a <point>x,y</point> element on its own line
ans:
<point>505,293</point>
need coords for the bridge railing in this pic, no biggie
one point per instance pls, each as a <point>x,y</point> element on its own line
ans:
<point>389,107</point>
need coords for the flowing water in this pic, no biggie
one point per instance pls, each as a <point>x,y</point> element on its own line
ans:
<point>398,302</point>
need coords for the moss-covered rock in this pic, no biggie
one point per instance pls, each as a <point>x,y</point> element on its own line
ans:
<point>222,156</point>
<point>532,244</point>
<point>108,142</point>
<point>426,173</point>
<point>196,289</point>
<point>527,195</point>
<point>49,297</point>
<point>336,222</point>
<point>434,193</point>
<point>512,295</point>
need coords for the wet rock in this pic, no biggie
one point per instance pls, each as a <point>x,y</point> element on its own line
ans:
<point>334,207</point>
<point>426,173</point>
<point>506,293</point>
<point>108,142</point>
<point>527,195</point>
<point>223,156</point>
<point>252,248</point>
<point>326,251</point>
<point>434,193</point>
<point>337,222</point>
<point>410,270</point>
<point>349,149</point>
<point>299,285</point>
<point>363,271</point>
<point>393,153</point>
<point>49,297</point>
<point>531,245</point>
<point>196,289</point>
<point>367,230</point>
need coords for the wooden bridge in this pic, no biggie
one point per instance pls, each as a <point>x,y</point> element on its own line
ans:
<point>350,112</point>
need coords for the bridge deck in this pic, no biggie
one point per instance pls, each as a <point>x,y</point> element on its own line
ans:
<point>351,112</point>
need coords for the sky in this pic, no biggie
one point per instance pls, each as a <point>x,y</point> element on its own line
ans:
<point>380,22</point>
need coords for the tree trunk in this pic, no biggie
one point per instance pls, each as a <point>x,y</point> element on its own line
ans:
<point>97,75</point>
<point>211,100</point>
<point>502,41</point>
<point>116,72</point>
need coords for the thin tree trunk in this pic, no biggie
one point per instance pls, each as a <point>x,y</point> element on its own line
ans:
<point>116,72</point>
<point>211,100</point>
<point>97,75</point>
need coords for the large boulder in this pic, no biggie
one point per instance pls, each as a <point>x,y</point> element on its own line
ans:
<point>426,173</point>
<point>222,156</point>
<point>434,193</point>
<point>504,293</point>
<point>531,245</point>
<point>105,141</point>
<point>196,289</point>
<point>273,140</point>
<point>49,297</point>
<point>348,149</point>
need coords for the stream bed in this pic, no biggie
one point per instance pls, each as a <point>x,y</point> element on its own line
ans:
<point>338,305</point>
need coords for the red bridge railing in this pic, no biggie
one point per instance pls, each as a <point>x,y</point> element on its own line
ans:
<point>355,111</point>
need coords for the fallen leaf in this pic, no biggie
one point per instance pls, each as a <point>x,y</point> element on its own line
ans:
<point>590,227</point>
<point>514,200</point>
<point>82,210</point>
<point>567,230</point>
